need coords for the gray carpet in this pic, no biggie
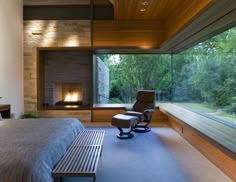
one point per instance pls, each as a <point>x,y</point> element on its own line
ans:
<point>158,156</point>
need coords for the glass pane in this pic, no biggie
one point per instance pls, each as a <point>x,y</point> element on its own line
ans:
<point>129,73</point>
<point>204,78</point>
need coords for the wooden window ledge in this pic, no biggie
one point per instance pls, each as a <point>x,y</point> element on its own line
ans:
<point>221,136</point>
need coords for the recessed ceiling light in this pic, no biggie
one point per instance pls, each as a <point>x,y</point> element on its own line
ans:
<point>145,3</point>
<point>142,10</point>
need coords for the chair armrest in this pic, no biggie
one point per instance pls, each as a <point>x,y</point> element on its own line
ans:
<point>149,112</point>
<point>129,109</point>
<point>133,113</point>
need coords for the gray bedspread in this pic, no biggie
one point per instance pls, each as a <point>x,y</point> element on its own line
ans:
<point>29,148</point>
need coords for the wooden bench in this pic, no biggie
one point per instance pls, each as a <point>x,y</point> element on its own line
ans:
<point>81,158</point>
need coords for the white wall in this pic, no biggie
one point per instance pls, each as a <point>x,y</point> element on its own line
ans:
<point>11,55</point>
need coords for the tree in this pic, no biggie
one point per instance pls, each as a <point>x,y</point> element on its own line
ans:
<point>131,73</point>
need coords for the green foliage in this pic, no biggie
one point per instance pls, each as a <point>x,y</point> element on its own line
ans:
<point>130,73</point>
<point>207,71</point>
<point>221,97</point>
<point>114,91</point>
<point>230,108</point>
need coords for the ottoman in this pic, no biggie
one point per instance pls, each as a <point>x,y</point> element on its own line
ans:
<point>124,121</point>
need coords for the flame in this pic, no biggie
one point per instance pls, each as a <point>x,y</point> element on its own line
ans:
<point>70,97</point>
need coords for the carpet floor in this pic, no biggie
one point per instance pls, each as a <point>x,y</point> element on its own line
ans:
<point>158,156</point>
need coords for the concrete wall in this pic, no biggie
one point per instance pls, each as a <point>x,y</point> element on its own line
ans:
<point>68,67</point>
<point>51,33</point>
<point>11,55</point>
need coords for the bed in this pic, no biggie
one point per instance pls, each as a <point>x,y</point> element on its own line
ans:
<point>30,148</point>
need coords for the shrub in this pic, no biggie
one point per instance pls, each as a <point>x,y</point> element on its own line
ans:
<point>230,108</point>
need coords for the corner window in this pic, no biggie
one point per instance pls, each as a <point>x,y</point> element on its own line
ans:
<point>204,78</point>
<point>201,78</point>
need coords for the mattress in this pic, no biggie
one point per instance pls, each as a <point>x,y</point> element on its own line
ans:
<point>30,148</point>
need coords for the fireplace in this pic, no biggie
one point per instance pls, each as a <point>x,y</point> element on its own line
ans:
<point>68,94</point>
<point>64,79</point>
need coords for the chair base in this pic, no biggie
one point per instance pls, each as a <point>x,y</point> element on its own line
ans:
<point>141,129</point>
<point>124,135</point>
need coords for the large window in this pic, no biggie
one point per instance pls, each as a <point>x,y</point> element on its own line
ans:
<point>204,78</point>
<point>201,78</point>
<point>130,73</point>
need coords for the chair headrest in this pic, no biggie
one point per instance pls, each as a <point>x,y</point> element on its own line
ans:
<point>146,96</point>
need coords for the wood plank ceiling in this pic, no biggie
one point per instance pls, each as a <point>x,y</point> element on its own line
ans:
<point>147,23</point>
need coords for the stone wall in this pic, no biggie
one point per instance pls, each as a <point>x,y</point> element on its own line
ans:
<point>51,33</point>
<point>102,75</point>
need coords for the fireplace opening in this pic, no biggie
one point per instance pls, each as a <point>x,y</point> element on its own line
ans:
<point>64,79</point>
<point>71,96</point>
<point>68,94</point>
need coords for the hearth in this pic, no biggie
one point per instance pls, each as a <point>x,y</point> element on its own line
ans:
<point>68,94</point>
<point>64,79</point>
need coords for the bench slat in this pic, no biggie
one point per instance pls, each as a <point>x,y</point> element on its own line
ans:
<point>82,157</point>
<point>83,139</point>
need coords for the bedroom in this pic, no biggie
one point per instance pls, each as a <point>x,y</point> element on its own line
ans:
<point>13,69</point>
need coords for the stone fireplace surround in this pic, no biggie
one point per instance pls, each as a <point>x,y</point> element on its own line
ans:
<point>64,72</point>
<point>51,34</point>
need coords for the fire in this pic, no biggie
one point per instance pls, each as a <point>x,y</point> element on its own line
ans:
<point>71,97</point>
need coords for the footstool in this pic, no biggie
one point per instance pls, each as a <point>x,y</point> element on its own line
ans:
<point>124,121</point>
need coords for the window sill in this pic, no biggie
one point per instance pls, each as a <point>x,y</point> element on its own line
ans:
<point>218,134</point>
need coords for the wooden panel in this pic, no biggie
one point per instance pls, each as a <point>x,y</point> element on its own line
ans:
<point>184,14</point>
<point>175,14</point>
<point>154,10</point>
<point>218,20</point>
<point>105,115</point>
<point>159,117</point>
<point>216,156</point>
<point>221,134</point>
<point>208,136</point>
<point>82,115</point>
<point>142,34</point>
